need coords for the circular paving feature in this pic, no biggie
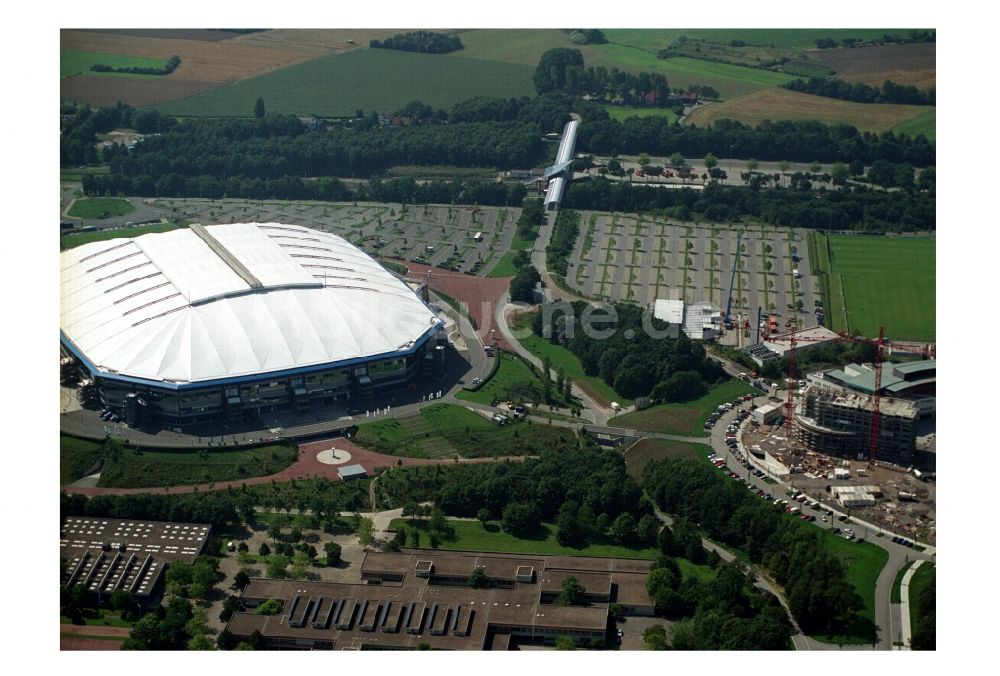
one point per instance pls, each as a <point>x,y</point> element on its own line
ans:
<point>333,456</point>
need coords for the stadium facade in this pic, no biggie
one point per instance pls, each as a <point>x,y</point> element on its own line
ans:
<point>228,322</point>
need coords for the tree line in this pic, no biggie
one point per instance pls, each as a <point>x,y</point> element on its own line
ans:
<point>912,36</point>
<point>428,42</point>
<point>859,92</point>
<point>562,69</point>
<point>166,69</point>
<point>792,140</point>
<point>726,613</point>
<point>564,233</point>
<point>630,360</point>
<point>819,595</point>
<point>854,208</point>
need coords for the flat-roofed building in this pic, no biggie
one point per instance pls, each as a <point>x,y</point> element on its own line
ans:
<point>106,554</point>
<point>419,597</point>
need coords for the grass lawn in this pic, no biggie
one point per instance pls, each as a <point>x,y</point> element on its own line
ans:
<point>622,113</point>
<point>74,62</point>
<point>560,356</point>
<point>687,417</point>
<point>649,450</point>
<point>71,241</point>
<point>100,617</point>
<point>337,85</point>
<point>925,123</point>
<point>864,562</point>
<point>923,577</point>
<point>505,266</point>
<point>471,536</point>
<point>76,458</point>
<point>100,207</point>
<point>512,380</point>
<point>882,281</point>
<point>447,430</point>
<point>142,468</point>
<point>894,596</point>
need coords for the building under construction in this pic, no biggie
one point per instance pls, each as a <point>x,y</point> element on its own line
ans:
<point>841,424</point>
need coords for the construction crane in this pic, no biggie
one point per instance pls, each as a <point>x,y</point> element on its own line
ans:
<point>843,336</point>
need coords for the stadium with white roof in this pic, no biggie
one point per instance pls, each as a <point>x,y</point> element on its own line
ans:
<point>230,321</point>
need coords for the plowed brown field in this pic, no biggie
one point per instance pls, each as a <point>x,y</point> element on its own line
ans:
<point>913,64</point>
<point>205,64</point>
<point>782,104</point>
<point>97,90</point>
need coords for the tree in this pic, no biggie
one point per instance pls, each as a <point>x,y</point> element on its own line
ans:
<point>277,565</point>
<point>478,579</point>
<point>229,607</point>
<point>839,173</point>
<point>366,532</point>
<point>564,642</point>
<point>647,529</point>
<point>572,592</point>
<point>269,607</point>
<point>333,552</point>
<point>414,538</point>
<point>677,159</point>
<point>264,549</point>
<point>126,605</point>
<point>483,515</point>
<point>655,638</point>
<point>752,164</point>
<point>815,167</point>
<point>225,640</point>
<point>259,110</point>
<point>569,532</point>
<point>521,518</point>
<point>274,531</point>
<point>240,580</point>
<point>644,161</point>
<point>522,286</point>
<point>711,161</point>
<point>438,522</point>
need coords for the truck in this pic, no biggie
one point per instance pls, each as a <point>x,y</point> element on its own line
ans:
<point>478,237</point>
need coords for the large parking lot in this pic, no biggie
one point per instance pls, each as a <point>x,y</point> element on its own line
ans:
<point>438,235</point>
<point>637,258</point>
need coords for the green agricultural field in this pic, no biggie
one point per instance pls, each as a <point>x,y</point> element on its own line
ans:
<point>727,79</point>
<point>622,113</point>
<point>687,418</point>
<point>72,62</point>
<point>864,562</point>
<point>793,38</point>
<point>71,241</point>
<point>571,366</point>
<point>100,207</point>
<point>144,468</point>
<point>925,123</point>
<point>883,281</point>
<point>385,80</point>
<point>512,378</point>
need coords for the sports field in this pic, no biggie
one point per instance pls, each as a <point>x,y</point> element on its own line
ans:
<point>73,62</point>
<point>879,281</point>
<point>782,104</point>
<point>338,85</point>
<point>100,207</point>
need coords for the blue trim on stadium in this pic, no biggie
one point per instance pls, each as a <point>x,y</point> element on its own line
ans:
<point>265,375</point>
